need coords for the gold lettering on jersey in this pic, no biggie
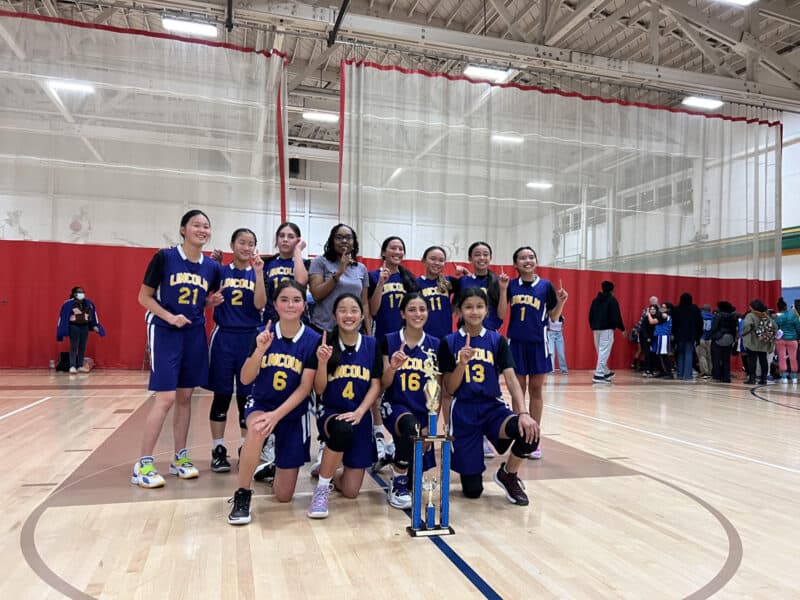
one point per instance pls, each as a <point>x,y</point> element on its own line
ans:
<point>411,364</point>
<point>350,372</point>
<point>432,291</point>
<point>188,278</point>
<point>393,287</point>
<point>280,272</point>
<point>283,361</point>
<point>483,355</point>
<point>526,299</point>
<point>233,282</point>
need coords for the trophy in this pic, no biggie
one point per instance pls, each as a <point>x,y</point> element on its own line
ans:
<point>429,527</point>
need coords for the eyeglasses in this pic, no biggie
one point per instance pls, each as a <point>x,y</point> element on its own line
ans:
<point>343,238</point>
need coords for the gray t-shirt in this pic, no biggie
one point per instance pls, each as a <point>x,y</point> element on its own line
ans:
<point>353,280</point>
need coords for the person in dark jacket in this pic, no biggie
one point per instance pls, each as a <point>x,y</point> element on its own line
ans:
<point>604,318</point>
<point>687,329</point>
<point>77,318</point>
<point>724,327</point>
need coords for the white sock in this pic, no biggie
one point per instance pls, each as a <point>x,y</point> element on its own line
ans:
<point>377,429</point>
<point>219,442</point>
<point>324,481</point>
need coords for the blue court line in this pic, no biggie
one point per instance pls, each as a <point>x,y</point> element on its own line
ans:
<point>460,564</point>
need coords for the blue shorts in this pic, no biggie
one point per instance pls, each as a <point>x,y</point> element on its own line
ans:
<point>530,358</point>
<point>292,437</point>
<point>178,357</point>
<point>362,453</point>
<point>391,414</point>
<point>227,351</point>
<point>469,422</point>
<point>660,344</point>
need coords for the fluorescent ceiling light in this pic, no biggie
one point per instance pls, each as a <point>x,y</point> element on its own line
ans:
<point>397,172</point>
<point>704,103</point>
<point>64,85</point>
<point>190,27</point>
<point>321,117</point>
<point>488,73</point>
<point>507,139</point>
<point>738,2</point>
<point>539,185</point>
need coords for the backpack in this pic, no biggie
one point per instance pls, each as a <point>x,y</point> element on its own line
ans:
<point>766,329</point>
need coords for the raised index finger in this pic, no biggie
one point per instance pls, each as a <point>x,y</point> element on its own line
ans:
<point>467,344</point>
<point>324,338</point>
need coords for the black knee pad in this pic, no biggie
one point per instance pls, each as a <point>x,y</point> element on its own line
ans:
<point>520,447</point>
<point>472,485</point>
<point>340,435</point>
<point>404,447</point>
<point>241,400</point>
<point>219,408</point>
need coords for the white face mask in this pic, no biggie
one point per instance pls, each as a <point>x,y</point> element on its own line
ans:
<point>80,296</point>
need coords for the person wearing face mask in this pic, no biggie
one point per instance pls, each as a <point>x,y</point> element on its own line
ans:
<point>78,317</point>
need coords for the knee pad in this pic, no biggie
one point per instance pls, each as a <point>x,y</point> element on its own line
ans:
<point>404,447</point>
<point>520,448</point>
<point>219,408</point>
<point>472,485</point>
<point>340,435</point>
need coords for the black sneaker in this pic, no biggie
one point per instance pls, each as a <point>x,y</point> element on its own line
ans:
<point>265,472</point>
<point>240,513</point>
<point>599,379</point>
<point>219,460</point>
<point>512,486</point>
<point>609,375</point>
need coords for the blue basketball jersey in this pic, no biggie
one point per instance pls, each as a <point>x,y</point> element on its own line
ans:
<point>664,327</point>
<point>351,380</point>
<point>276,270</point>
<point>482,374</point>
<point>440,309</point>
<point>238,288</point>
<point>407,387</point>
<point>492,321</point>
<point>530,302</point>
<point>282,367</point>
<point>183,286</point>
<point>388,318</point>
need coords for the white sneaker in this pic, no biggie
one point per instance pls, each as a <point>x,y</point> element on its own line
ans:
<point>536,454</point>
<point>399,496</point>
<point>487,449</point>
<point>145,474</point>
<point>183,466</point>
<point>317,461</point>
<point>268,451</point>
<point>83,370</point>
<point>784,379</point>
<point>73,370</point>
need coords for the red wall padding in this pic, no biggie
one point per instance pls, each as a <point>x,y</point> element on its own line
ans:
<point>37,278</point>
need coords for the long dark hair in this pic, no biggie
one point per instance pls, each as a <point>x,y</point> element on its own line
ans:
<point>268,257</point>
<point>192,213</point>
<point>333,337</point>
<point>492,283</point>
<point>442,283</point>
<point>408,298</point>
<point>406,276</point>
<point>329,251</point>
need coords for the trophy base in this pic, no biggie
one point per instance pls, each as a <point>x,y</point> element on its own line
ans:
<point>436,531</point>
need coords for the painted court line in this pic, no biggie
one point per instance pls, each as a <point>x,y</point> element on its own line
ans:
<point>26,407</point>
<point>669,438</point>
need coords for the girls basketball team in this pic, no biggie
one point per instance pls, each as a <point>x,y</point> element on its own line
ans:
<point>267,352</point>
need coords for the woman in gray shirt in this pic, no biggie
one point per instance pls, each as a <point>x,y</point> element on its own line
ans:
<point>337,272</point>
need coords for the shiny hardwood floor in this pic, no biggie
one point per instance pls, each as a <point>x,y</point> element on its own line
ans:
<point>647,489</point>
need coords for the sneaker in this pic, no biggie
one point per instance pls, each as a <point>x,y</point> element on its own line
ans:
<point>794,378</point>
<point>83,370</point>
<point>240,512</point>
<point>73,370</point>
<point>564,372</point>
<point>488,452</point>
<point>268,450</point>
<point>784,379</point>
<point>383,456</point>
<point>265,472</point>
<point>598,379</point>
<point>536,454</point>
<point>390,450</point>
<point>145,474</point>
<point>512,486</point>
<point>317,461</point>
<point>219,460</point>
<point>319,502</point>
<point>183,466</point>
<point>609,375</point>
<point>399,496</point>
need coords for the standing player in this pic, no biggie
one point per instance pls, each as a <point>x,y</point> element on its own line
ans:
<point>237,318</point>
<point>533,301</point>
<point>480,255</point>
<point>437,289</point>
<point>349,383</point>
<point>281,369</point>
<point>472,360</point>
<point>175,293</point>
<point>286,264</point>
<point>404,403</point>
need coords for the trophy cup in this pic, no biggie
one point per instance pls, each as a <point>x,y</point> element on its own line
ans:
<point>429,527</point>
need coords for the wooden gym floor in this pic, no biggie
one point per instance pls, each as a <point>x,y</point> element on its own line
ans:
<point>647,489</point>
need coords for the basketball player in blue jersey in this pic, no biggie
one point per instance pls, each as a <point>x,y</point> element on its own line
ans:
<point>480,255</point>
<point>286,264</point>
<point>437,289</point>
<point>281,369</point>
<point>349,383</point>
<point>237,318</point>
<point>471,361</point>
<point>404,403</point>
<point>533,301</point>
<point>177,287</point>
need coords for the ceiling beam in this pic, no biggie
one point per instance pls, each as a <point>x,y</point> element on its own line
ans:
<point>566,24</point>
<point>516,33</point>
<point>715,57</point>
